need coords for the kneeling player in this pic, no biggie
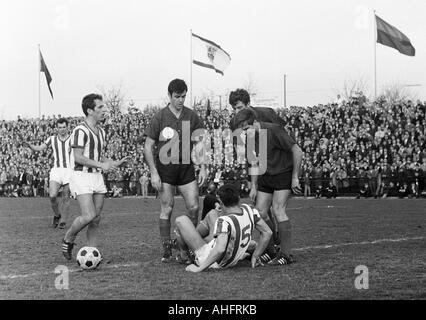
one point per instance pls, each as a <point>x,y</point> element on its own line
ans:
<point>232,234</point>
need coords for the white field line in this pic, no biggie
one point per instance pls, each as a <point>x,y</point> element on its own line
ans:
<point>328,246</point>
<point>138,264</point>
<point>51,215</point>
<point>119,214</point>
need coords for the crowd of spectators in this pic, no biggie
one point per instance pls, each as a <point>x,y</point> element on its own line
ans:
<point>368,149</point>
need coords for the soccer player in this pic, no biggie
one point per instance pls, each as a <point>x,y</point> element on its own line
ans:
<point>87,182</point>
<point>232,234</point>
<point>274,187</point>
<point>61,171</point>
<point>165,131</point>
<point>240,100</point>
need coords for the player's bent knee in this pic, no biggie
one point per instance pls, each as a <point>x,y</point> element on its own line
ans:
<point>264,214</point>
<point>193,208</point>
<point>181,221</point>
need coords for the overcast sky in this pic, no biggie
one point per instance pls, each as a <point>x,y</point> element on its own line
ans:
<point>141,46</point>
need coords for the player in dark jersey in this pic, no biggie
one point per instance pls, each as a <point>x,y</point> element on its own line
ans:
<point>280,178</point>
<point>240,100</point>
<point>231,236</point>
<point>170,130</point>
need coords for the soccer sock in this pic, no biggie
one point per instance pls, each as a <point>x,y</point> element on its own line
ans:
<point>284,228</point>
<point>78,224</point>
<point>55,206</point>
<point>165,227</point>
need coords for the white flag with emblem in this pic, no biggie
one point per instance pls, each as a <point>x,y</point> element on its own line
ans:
<point>208,54</point>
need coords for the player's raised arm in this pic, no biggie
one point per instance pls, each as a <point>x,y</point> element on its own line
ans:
<point>33,147</point>
<point>265,236</point>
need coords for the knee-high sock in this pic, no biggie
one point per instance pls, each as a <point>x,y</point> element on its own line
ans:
<point>165,227</point>
<point>284,228</point>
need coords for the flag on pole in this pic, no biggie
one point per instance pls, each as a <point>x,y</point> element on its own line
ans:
<point>208,54</point>
<point>43,68</point>
<point>392,37</point>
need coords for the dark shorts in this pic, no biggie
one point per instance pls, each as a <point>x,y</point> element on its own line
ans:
<point>269,184</point>
<point>176,174</point>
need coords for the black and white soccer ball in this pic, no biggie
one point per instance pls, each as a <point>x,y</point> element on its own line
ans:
<point>89,258</point>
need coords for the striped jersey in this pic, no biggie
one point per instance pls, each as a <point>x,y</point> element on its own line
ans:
<point>92,144</point>
<point>61,151</point>
<point>239,228</point>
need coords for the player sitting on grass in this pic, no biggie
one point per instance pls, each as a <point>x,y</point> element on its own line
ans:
<point>205,228</point>
<point>232,234</point>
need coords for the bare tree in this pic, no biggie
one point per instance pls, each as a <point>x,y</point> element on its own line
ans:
<point>397,92</point>
<point>114,98</point>
<point>351,87</point>
<point>250,84</point>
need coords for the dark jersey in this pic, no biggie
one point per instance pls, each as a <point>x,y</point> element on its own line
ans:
<point>166,128</point>
<point>278,149</point>
<point>267,115</point>
<point>209,203</point>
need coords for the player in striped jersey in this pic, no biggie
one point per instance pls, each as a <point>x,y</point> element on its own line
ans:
<point>232,234</point>
<point>87,182</point>
<point>60,173</point>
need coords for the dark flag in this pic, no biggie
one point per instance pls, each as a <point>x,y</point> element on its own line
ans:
<point>43,68</point>
<point>392,37</point>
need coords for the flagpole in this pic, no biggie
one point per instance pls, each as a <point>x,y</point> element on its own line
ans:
<point>39,90</point>
<point>375,54</point>
<point>190,74</point>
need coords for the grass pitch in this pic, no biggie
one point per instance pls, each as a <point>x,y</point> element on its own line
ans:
<point>330,239</point>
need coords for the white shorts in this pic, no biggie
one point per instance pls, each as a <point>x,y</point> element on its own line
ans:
<point>202,254</point>
<point>87,182</point>
<point>60,175</point>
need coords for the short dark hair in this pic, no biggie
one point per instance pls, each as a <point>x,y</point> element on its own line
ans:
<point>89,102</point>
<point>229,195</point>
<point>239,95</point>
<point>62,120</point>
<point>177,86</point>
<point>245,115</point>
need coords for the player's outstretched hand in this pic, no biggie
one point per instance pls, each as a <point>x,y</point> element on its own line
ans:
<point>108,165</point>
<point>125,160</point>
<point>192,268</point>
<point>295,185</point>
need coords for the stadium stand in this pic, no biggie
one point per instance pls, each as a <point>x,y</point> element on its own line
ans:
<point>367,149</point>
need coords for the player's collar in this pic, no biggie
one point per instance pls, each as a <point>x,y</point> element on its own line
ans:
<point>181,113</point>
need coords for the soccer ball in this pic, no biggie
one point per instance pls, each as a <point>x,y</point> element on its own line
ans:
<point>89,258</point>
